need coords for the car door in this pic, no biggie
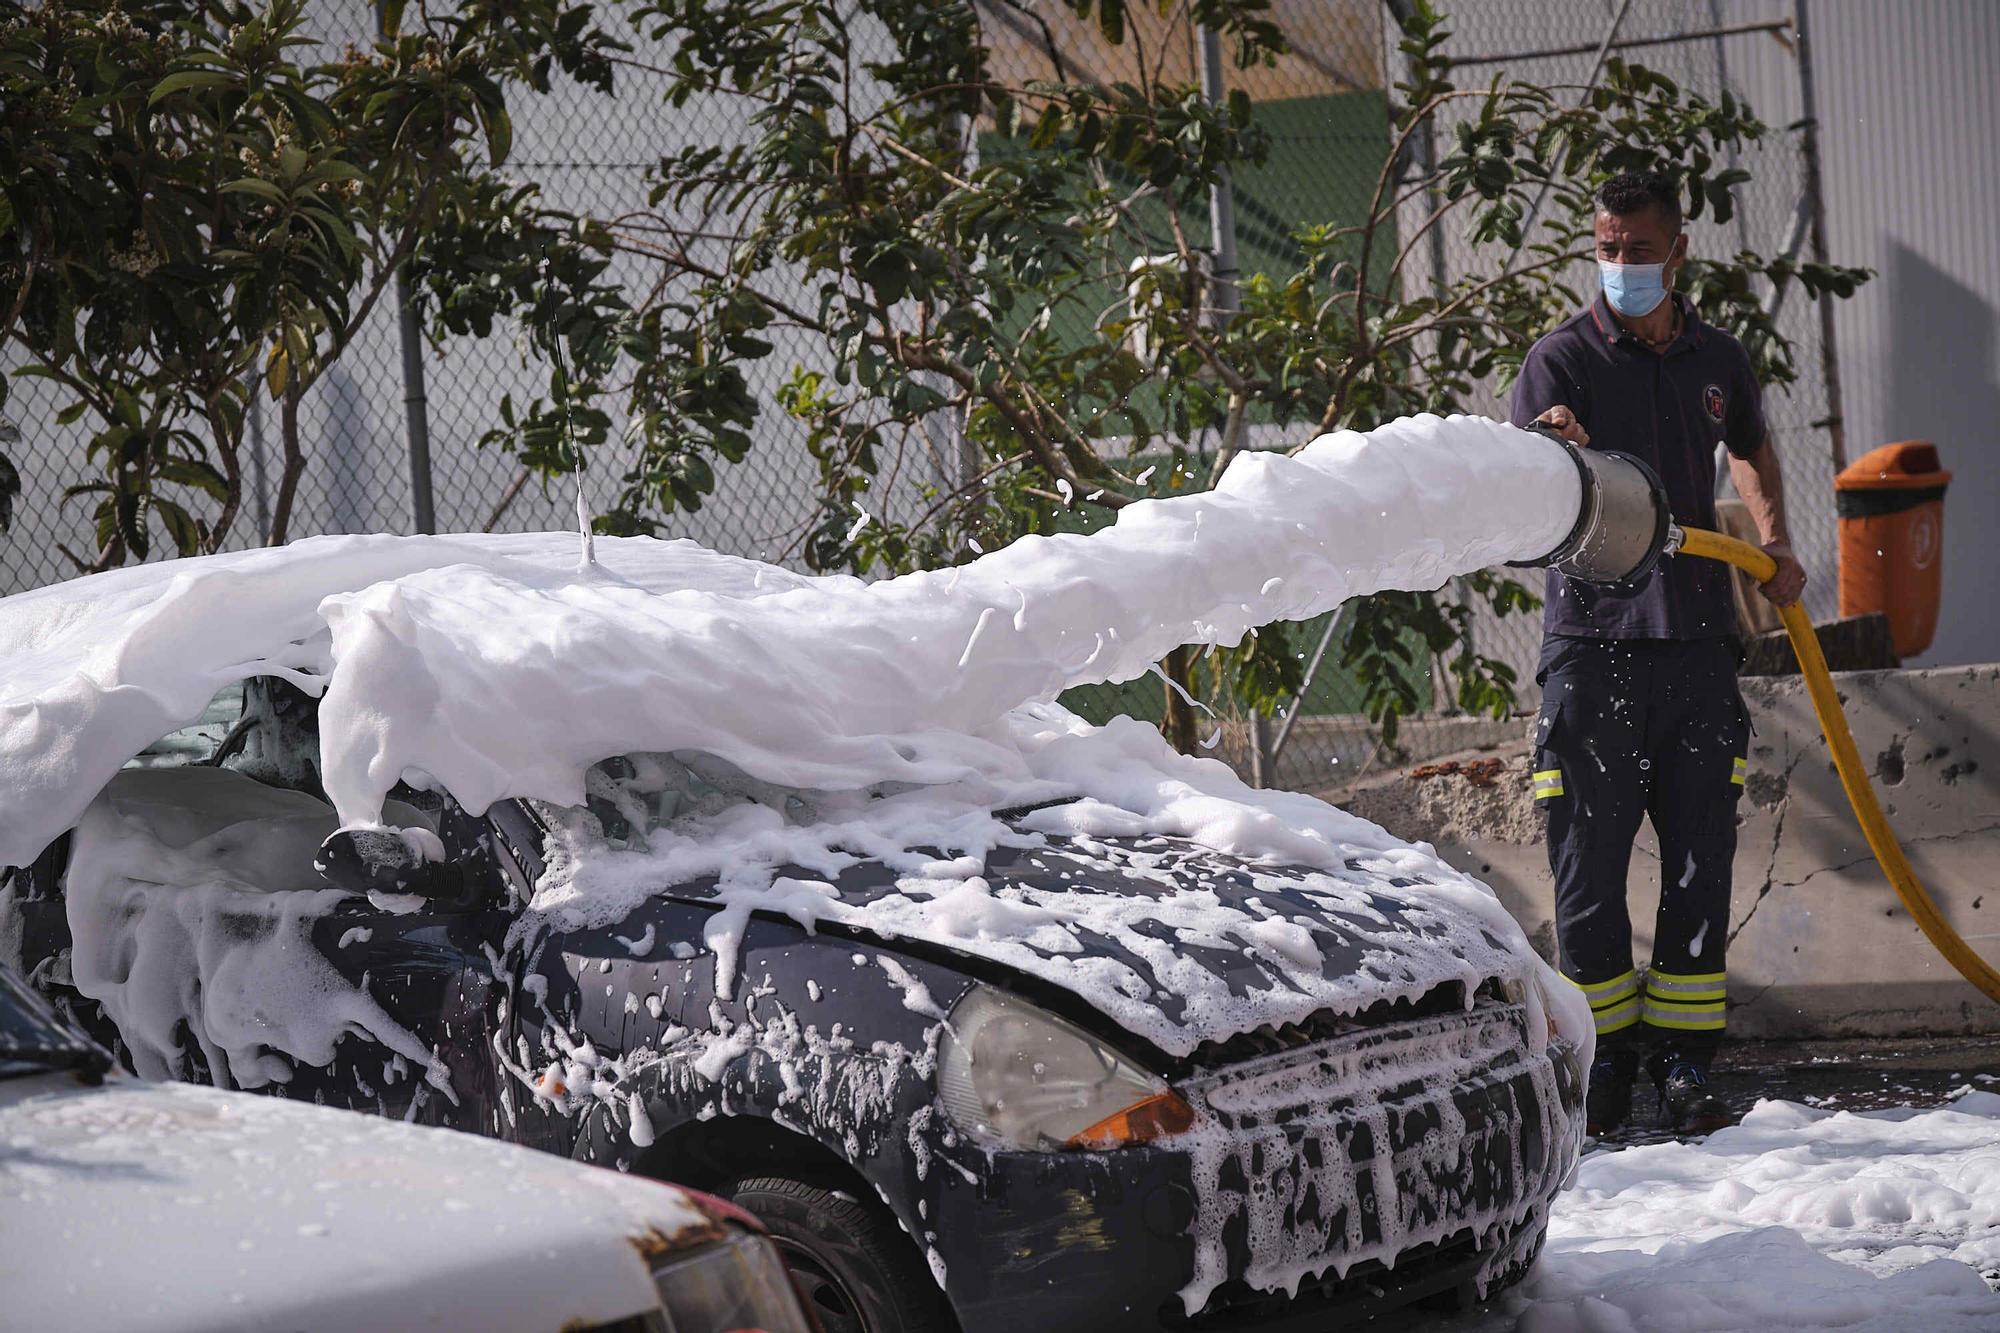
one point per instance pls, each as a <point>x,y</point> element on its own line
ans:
<point>215,954</point>
<point>437,973</point>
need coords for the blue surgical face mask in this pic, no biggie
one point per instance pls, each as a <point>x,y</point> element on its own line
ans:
<point>1634,290</point>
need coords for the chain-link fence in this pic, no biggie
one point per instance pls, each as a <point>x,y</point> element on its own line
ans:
<point>590,153</point>
<point>1326,110</point>
<point>1325,107</point>
<point>1562,44</point>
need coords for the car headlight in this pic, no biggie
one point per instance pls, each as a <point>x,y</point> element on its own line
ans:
<point>1012,1074</point>
<point>738,1283</point>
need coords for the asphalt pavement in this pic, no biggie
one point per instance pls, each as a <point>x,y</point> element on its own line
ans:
<point>1853,1074</point>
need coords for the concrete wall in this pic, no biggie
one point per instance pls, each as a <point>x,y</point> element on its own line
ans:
<point>1818,944</point>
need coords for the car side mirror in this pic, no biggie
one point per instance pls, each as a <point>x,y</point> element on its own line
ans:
<point>377,861</point>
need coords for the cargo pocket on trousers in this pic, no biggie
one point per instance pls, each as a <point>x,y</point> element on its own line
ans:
<point>1548,769</point>
<point>1738,745</point>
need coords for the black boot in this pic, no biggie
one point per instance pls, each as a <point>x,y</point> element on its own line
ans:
<point>1685,1099</point>
<point>1607,1103</point>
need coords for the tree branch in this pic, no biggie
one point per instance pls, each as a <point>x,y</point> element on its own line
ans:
<point>1403,254</point>
<point>1189,320</point>
<point>512,494</point>
<point>911,155</point>
<point>1410,331</point>
<point>226,448</point>
<point>1232,431</point>
<point>978,483</point>
<point>383,274</point>
<point>679,255</point>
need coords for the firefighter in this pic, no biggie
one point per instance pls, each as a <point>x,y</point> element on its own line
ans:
<point>1641,715</point>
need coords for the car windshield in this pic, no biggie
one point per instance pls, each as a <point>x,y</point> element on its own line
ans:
<point>631,795</point>
<point>265,729</point>
<point>200,741</point>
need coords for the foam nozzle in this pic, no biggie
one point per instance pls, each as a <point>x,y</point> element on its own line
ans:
<point>1622,523</point>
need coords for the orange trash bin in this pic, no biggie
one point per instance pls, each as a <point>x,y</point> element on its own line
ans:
<point>1891,507</point>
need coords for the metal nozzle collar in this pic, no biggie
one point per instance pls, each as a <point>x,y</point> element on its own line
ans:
<point>1623,525</point>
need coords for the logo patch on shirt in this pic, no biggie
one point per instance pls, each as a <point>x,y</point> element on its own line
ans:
<point>1711,399</point>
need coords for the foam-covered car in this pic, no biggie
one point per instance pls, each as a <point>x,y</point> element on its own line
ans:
<point>939,1114</point>
<point>805,891</point>
<point>145,1207</point>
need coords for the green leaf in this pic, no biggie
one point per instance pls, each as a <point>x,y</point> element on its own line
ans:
<point>180,526</point>
<point>1110,20</point>
<point>106,515</point>
<point>277,371</point>
<point>256,189</point>
<point>129,517</point>
<point>189,78</point>
<point>499,134</point>
<point>193,472</point>
<point>1047,126</point>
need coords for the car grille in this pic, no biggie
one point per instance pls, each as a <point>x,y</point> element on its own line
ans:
<point>1449,1101</point>
<point>1325,1025</point>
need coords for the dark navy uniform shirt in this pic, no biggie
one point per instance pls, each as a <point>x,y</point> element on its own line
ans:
<point>1670,409</point>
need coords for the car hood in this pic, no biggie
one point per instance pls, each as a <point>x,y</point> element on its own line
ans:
<point>1181,944</point>
<point>167,1206</point>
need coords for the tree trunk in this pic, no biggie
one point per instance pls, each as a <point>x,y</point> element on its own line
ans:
<point>294,465</point>
<point>1180,721</point>
<point>1232,437</point>
<point>227,450</point>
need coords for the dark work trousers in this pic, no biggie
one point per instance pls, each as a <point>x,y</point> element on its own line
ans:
<point>1631,728</point>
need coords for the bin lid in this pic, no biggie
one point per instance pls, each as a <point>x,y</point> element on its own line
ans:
<point>1907,465</point>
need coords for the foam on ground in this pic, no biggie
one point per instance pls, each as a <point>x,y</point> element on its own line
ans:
<point>1796,1219</point>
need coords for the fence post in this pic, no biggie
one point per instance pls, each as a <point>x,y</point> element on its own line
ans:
<point>1222,302</point>
<point>1836,425</point>
<point>416,406</point>
<point>1221,195</point>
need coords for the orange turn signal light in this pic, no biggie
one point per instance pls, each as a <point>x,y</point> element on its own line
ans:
<point>1155,1117</point>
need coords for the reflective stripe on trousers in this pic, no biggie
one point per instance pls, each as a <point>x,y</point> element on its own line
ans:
<point>1614,1004</point>
<point>1686,1003</point>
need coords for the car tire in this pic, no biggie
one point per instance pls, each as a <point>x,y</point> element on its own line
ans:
<point>853,1264</point>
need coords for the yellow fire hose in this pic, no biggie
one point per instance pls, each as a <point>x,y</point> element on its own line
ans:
<point>1847,760</point>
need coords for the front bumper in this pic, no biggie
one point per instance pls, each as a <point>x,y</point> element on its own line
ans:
<point>1346,1177</point>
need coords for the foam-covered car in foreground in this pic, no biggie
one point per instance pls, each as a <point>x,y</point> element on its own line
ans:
<point>907,1104</point>
<point>147,1207</point>
<point>801,890</point>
